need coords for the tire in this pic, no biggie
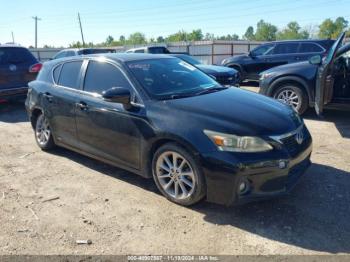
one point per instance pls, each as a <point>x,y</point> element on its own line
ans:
<point>42,133</point>
<point>187,177</point>
<point>294,96</point>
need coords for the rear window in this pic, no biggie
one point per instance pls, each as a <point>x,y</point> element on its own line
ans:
<point>310,48</point>
<point>70,74</point>
<point>96,51</point>
<point>16,55</point>
<point>286,48</point>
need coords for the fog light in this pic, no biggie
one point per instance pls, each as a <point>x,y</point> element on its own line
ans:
<point>282,164</point>
<point>243,186</point>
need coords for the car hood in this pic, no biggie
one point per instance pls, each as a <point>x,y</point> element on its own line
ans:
<point>292,66</point>
<point>233,111</point>
<point>216,70</point>
<point>236,58</point>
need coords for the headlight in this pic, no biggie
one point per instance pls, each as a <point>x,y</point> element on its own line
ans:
<point>233,143</point>
<point>267,75</point>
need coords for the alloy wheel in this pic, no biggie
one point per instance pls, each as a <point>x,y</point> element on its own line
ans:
<point>175,175</point>
<point>42,130</point>
<point>289,97</point>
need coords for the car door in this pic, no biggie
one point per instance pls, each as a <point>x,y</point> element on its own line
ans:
<point>106,129</point>
<point>283,53</point>
<point>257,60</point>
<point>325,78</point>
<point>60,102</point>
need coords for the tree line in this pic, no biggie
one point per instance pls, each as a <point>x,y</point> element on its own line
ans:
<point>263,31</point>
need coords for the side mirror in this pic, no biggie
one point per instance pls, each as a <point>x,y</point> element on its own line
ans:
<point>117,95</point>
<point>315,60</point>
<point>251,54</point>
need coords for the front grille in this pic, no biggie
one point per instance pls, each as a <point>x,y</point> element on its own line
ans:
<point>292,146</point>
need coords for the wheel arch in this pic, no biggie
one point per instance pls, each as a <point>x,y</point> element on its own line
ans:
<point>300,82</point>
<point>34,115</point>
<point>157,143</point>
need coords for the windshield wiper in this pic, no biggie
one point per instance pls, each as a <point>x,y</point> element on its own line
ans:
<point>210,90</point>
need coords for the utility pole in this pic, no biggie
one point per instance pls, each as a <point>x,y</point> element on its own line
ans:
<point>36,30</point>
<point>81,30</point>
<point>13,38</point>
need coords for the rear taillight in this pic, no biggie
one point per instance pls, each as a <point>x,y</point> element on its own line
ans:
<point>35,68</point>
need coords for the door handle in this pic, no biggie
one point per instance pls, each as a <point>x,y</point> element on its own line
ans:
<point>48,96</point>
<point>82,105</point>
<point>297,58</point>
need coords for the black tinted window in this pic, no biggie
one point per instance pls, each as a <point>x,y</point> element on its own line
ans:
<point>56,73</point>
<point>158,50</point>
<point>103,76</point>
<point>310,48</point>
<point>139,51</point>
<point>69,74</point>
<point>15,55</point>
<point>262,50</point>
<point>286,48</point>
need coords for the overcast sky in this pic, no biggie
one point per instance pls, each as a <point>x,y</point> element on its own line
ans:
<point>59,25</point>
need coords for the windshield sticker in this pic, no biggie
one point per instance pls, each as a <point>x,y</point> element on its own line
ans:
<point>188,66</point>
<point>140,66</point>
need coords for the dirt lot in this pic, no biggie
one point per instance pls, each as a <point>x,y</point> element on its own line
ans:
<point>124,214</point>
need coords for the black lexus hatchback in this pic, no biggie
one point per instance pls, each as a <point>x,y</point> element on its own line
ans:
<point>158,116</point>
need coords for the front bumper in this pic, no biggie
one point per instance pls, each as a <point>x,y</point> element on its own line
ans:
<point>265,175</point>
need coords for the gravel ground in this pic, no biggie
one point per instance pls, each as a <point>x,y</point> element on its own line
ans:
<point>50,200</point>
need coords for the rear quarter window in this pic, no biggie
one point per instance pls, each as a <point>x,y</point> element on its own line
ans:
<point>56,73</point>
<point>310,48</point>
<point>70,73</point>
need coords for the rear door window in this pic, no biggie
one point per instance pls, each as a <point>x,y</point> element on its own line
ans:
<point>16,55</point>
<point>101,76</point>
<point>286,48</point>
<point>70,73</point>
<point>310,48</point>
<point>56,73</point>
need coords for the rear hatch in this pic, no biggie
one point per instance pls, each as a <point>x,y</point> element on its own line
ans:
<point>15,63</point>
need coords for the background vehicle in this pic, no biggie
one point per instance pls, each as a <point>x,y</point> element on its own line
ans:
<point>274,54</point>
<point>318,82</point>
<point>17,67</point>
<point>150,50</point>
<point>82,51</point>
<point>223,75</point>
<point>160,117</point>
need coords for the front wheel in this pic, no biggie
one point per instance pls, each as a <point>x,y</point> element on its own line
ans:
<point>294,96</point>
<point>43,134</point>
<point>177,175</point>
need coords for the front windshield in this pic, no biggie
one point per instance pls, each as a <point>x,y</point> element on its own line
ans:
<point>168,77</point>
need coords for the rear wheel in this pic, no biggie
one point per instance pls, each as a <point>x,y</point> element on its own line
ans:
<point>292,95</point>
<point>177,175</point>
<point>43,134</point>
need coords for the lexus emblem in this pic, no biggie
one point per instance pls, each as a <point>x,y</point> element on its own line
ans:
<point>13,68</point>
<point>299,137</point>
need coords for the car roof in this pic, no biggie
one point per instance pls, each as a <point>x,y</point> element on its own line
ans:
<point>120,57</point>
<point>12,45</point>
<point>303,41</point>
